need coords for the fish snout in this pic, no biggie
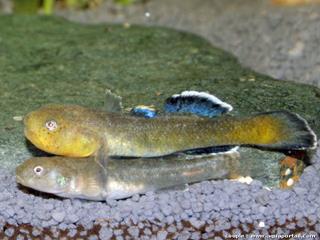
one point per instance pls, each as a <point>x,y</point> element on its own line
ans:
<point>26,122</point>
<point>19,175</point>
<point>30,128</point>
<point>19,179</point>
<point>26,118</point>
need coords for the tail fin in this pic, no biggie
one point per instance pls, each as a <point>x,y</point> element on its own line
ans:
<point>293,132</point>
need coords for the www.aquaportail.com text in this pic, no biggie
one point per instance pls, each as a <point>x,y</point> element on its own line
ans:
<point>272,236</point>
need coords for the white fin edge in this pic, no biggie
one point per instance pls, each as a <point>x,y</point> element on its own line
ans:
<point>205,95</point>
<point>315,144</point>
<point>231,151</point>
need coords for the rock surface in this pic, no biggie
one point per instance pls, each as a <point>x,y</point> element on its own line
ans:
<point>271,39</point>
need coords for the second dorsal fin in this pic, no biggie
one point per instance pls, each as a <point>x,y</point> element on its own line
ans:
<point>199,103</point>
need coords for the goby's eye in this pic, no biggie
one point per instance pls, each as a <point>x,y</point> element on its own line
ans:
<point>51,125</point>
<point>38,170</point>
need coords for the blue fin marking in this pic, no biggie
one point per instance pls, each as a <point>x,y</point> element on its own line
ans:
<point>144,111</point>
<point>199,103</point>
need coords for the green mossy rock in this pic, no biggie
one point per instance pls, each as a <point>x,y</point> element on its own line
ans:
<point>49,60</point>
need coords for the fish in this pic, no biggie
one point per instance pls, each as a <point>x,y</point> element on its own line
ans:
<point>77,131</point>
<point>100,179</point>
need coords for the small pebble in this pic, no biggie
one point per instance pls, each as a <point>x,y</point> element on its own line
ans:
<point>184,235</point>
<point>58,215</point>
<point>134,231</point>
<point>47,237</point>
<point>196,223</point>
<point>195,236</point>
<point>72,232</point>
<point>9,232</point>
<point>36,232</point>
<point>118,232</point>
<point>147,231</point>
<point>172,229</point>
<point>18,118</point>
<point>162,235</point>
<point>93,237</point>
<point>20,237</point>
<point>105,233</point>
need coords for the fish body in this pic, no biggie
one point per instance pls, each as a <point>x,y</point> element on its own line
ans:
<point>87,178</point>
<point>76,131</point>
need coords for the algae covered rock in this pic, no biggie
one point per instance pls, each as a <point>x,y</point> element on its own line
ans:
<point>50,60</point>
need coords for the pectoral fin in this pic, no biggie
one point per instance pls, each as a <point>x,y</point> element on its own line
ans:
<point>93,188</point>
<point>101,158</point>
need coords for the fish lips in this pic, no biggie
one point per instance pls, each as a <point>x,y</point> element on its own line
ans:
<point>21,181</point>
<point>28,134</point>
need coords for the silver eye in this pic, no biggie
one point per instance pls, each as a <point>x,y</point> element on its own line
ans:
<point>51,125</point>
<point>38,170</point>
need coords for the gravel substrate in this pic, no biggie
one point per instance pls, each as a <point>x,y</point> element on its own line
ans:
<point>207,209</point>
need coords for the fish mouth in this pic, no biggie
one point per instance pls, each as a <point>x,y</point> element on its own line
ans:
<point>39,189</point>
<point>25,119</point>
<point>28,134</point>
<point>20,180</point>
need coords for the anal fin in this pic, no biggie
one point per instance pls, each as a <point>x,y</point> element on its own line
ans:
<point>211,150</point>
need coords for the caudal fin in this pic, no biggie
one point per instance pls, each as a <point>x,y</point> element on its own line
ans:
<point>289,131</point>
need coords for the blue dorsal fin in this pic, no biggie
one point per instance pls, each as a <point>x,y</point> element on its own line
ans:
<point>199,103</point>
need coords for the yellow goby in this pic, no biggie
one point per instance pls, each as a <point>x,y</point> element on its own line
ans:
<point>75,131</point>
